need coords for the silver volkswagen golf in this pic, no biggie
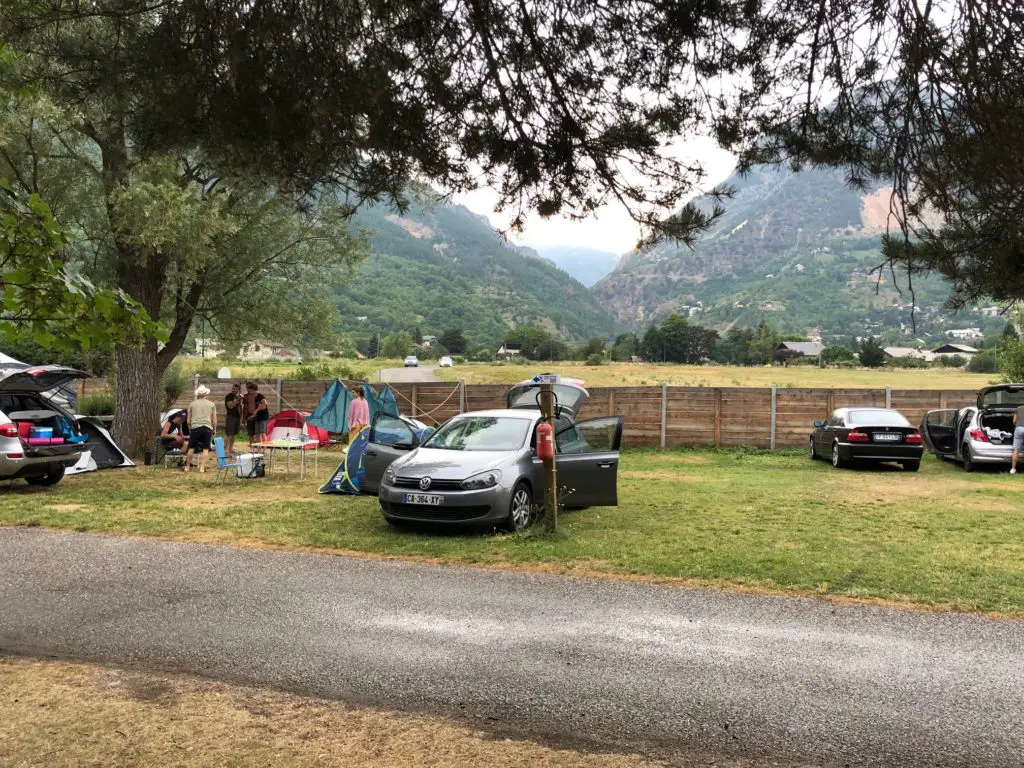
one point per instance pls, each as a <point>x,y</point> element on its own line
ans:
<point>480,469</point>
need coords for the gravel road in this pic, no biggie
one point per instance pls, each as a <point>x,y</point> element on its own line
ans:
<point>670,671</point>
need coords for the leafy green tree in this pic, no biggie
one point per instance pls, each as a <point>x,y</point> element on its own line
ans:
<point>626,346</point>
<point>592,347</point>
<point>871,353</point>
<point>653,346</point>
<point>373,346</point>
<point>417,335</point>
<point>397,345</point>
<point>763,343</point>
<point>46,303</point>
<point>1010,331</point>
<point>735,347</point>
<point>836,354</point>
<point>1011,361</point>
<point>535,342</point>
<point>453,340</point>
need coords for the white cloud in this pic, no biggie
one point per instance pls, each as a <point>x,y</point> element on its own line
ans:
<point>610,228</point>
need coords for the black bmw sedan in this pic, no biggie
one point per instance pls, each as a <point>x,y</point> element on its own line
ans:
<point>867,434</point>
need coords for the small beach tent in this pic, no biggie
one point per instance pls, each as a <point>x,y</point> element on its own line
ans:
<point>384,402</point>
<point>331,413</point>
<point>99,451</point>
<point>349,475</point>
<point>287,425</point>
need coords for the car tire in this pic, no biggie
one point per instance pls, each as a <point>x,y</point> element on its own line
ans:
<point>911,466</point>
<point>969,465</point>
<point>837,460</point>
<point>520,508</point>
<point>814,451</point>
<point>52,477</point>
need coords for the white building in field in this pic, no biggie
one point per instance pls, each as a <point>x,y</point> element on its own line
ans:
<point>966,333</point>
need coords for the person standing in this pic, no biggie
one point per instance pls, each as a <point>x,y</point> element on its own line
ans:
<point>233,417</point>
<point>1018,437</point>
<point>257,414</point>
<point>202,422</point>
<point>358,413</point>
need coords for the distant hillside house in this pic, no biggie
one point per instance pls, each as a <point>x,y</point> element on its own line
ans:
<point>261,349</point>
<point>899,353</point>
<point>791,349</point>
<point>966,333</point>
<point>955,349</point>
<point>506,351</point>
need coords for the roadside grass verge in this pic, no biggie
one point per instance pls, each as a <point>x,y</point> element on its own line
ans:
<point>59,714</point>
<point>731,518</point>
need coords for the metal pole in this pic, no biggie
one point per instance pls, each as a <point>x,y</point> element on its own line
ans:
<point>462,395</point>
<point>775,391</point>
<point>547,410</point>
<point>664,412</point>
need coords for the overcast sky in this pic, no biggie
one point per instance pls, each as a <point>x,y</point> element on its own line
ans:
<point>611,228</point>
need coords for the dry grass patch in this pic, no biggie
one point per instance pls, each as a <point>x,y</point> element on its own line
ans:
<point>60,714</point>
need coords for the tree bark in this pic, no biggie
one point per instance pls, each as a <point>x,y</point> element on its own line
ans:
<point>139,398</point>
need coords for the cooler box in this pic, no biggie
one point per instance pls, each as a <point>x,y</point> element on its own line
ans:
<point>40,433</point>
<point>250,465</point>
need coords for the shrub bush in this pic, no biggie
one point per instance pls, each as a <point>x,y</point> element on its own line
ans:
<point>595,359</point>
<point>953,361</point>
<point>459,360</point>
<point>983,362</point>
<point>322,370</point>
<point>175,383</point>
<point>97,405</point>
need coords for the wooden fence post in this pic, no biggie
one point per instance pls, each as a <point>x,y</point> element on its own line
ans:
<point>775,391</point>
<point>664,412</point>
<point>942,399</point>
<point>611,402</point>
<point>718,417</point>
<point>888,396</point>
<point>414,388</point>
<point>830,402</point>
<point>279,391</point>
<point>462,395</point>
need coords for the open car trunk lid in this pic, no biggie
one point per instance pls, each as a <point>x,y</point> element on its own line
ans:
<point>40,378</point>
<point>1001,397</point>
<point>570,395</point>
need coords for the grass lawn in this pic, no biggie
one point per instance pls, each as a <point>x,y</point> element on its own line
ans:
<point>730,518</point>
<point>644,374</point>
<point>70,715</point>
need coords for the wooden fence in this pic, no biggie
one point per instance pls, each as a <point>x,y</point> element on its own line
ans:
<point>660,416</point>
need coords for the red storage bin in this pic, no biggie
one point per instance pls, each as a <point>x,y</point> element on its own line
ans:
<point>24,427</point>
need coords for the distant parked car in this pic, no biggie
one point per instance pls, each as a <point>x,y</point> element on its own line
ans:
<point>867,434</point>
<point>24,406</point>
<point>978,434</point>
<point>445,362</point>
<point>412,361</point>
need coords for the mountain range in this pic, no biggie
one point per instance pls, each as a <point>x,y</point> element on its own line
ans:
<point>588,265</point>
<point>793,249</point>
<point>441,266</point>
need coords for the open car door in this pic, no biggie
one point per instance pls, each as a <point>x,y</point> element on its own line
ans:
<point>390,438</point>
<point>938,428</point>
<point>588,461</point>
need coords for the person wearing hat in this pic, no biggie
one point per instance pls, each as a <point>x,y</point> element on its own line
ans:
<point>202,423</point>
<point>174,432</point>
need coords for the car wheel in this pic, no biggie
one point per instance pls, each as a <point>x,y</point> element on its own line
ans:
<point>814,451</point>
<point>520,508</point>
<point>969,465</point>
<point>836,459</point>
<point>911,466</point>
<point>53,477</point>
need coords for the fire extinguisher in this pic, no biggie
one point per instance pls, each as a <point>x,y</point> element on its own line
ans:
<point>545,442</point>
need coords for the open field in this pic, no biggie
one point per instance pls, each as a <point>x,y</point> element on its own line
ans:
<point>62,714</point>
<point>641,374</point>
<point>266,370</point>
<point>731,518</point>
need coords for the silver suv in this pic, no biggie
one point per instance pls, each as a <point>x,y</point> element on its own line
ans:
<point>24,405</point>
<point>981,434</point>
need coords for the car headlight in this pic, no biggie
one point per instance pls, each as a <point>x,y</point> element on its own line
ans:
<point>487,479</point>
<point>389,476</point>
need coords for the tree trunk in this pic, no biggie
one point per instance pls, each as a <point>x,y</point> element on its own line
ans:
<point>140,398</point>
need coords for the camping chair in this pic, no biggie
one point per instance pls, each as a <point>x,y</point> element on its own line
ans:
<point>174,454</point>
<point>226,463</point>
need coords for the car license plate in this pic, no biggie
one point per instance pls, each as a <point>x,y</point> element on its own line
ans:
<point>423,498</point>
<point>892,437</point>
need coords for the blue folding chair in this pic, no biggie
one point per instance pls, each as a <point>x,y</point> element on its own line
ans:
<point>226,463</point>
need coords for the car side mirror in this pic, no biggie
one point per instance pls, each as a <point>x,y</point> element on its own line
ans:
<point>404,446</point>
<point>818,424</point>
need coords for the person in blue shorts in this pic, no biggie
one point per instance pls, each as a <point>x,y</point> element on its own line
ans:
<point>1018,437</point>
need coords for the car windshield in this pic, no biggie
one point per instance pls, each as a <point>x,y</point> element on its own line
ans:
<point>480,433</point>
<point>877,419</point>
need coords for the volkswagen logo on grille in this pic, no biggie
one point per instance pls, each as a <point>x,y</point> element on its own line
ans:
<point>424,483</point>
